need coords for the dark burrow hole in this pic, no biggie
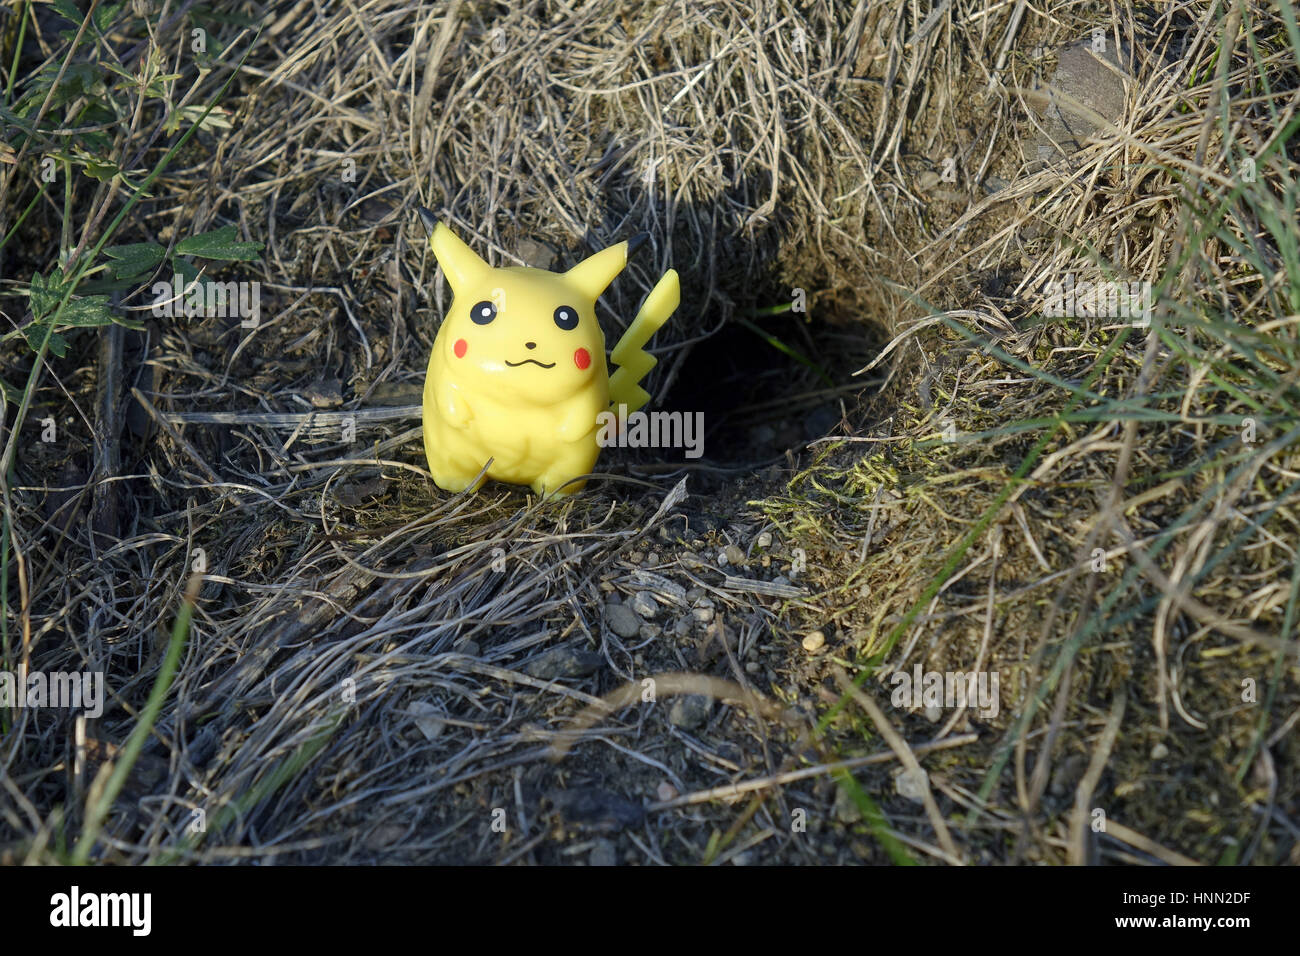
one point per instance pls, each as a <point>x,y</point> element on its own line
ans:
<point>757,399</point>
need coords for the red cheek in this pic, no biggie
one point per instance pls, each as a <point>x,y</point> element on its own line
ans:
<point>459,348</point>
<point>582,358</point>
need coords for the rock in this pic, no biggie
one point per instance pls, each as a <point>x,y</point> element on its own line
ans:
<point>535,254</point>
<point>690,560</point>
<point>911,785</point>
<point>765,540</point>
<point>644,603</point>
<point>603,854</point>
<point>324,393</point>
<point>723,559</point>
<point>428,719</point>
<point>689,711</point>
<point>821,420</point>
<point>734,555</point>
<point>814,642</point>
<point>666,792</point>
<point>353,495</point>
<point>743,858</point>
<point>1159,752</point>
<point>621,620</point>
<point>994,184</point>
<point>933,712</point>
<point>684,626</point>
<point>648,632</point>
<point>1084,81</point>
<point>564,662</point>
<point>595,808</point>
<point>703,610</point>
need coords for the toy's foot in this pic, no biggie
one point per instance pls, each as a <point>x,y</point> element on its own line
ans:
<point>456,482</point>
<point>555,486</point>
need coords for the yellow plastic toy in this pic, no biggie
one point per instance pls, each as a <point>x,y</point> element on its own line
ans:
<point>518,372</point>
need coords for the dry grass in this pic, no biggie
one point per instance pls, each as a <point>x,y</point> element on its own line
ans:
<point>360,678</point>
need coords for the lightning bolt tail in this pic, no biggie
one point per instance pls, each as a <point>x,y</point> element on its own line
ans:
<point>629,354</point>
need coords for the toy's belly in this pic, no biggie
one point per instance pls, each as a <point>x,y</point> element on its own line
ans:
<point>522,444</point>
<point>521,448</point>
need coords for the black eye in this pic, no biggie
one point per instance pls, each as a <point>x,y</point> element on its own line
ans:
<point>484,312</point>
<point>566,317</point>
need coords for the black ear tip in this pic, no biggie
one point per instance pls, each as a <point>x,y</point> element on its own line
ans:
<point>637,241</point>
<point>427,217</point>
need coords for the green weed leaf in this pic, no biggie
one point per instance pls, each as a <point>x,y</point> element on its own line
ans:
<point>219,244</point>
<point>134,259</point>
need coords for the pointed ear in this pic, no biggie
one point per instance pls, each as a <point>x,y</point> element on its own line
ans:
<point>593,274</point>
<point>462,265</point>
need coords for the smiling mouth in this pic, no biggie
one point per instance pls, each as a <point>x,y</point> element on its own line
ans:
<point>526,361</point>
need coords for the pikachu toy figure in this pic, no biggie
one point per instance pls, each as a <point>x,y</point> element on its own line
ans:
<point>518,376</point>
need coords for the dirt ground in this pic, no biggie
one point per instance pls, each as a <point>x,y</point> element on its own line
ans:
<point>911,468</point>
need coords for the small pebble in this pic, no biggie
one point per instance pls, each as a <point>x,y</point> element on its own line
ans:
<point>652,559</point>
<point>753,667</point>
<point>765,540</point>
<point>648,632</point>
<point>603,854</point>
<point>814,642</point>
<point>666,792</point>
<point>644,603</point>
<point>722,559</point>
<point>325,393</point>
<point>703,610</point>
<point>428,719</point>
<point>564,662</point>
<point>636,557</point>
<point>911,785</point>
<point>1159,752</point>
<point>734,555</point>
<point>685,624</point>
<point>690,560</point>
<point>933,712</point>
<point>689,711</point>
<point>743,858</point>
<point>621,620</point>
